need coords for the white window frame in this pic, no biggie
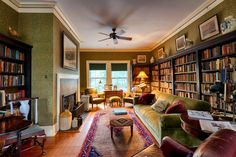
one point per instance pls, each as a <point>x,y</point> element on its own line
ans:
<point>108,70</point>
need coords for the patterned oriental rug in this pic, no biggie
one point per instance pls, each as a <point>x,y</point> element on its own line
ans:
<point>98,141</point>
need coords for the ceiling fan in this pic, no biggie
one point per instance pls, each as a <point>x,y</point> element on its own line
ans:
<point>115,35</point>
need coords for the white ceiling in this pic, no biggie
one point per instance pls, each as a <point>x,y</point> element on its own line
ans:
<point>146,21</point>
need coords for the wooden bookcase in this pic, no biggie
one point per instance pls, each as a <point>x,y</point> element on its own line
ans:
<point>135,71</point>
<point>191,72</point>
<point>166,76</point>
<point>15,68</point>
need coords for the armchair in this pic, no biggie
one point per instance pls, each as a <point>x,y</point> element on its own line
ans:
<point>94,96</point>
<point>219,144</point>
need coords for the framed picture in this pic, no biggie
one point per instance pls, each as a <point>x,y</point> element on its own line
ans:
<point>141,58</point>
<point>180,43</point>
<point>209,28</point>
<point>69,53</point>
<point>161,53</point>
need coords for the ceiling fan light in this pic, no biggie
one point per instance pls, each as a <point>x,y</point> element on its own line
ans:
<point>115,41</point>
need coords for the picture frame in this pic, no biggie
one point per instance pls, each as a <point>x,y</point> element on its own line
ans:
<point>141,59</point>
<point>209,28</point>
<point>180,43</point>
<point>161,53</point>
<point>69,53</point>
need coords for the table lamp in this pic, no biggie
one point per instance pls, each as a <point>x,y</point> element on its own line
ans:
<point>142,75</point>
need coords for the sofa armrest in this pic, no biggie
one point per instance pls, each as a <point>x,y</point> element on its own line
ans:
<point>170,120</point>
<point>172,148</point>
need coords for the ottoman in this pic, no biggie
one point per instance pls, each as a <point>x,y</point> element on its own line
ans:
<point>114,99</point>
<point>121,122</point>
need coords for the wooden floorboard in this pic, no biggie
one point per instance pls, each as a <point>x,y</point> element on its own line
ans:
<point>65,144</point>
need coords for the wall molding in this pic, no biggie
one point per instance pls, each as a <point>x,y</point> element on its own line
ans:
<point>43,7</point>
<point>51,7</point>
<point>199,12</point>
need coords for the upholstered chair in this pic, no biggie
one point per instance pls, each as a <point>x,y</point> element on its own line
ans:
<point>219,144</point>
<point>94,96</point>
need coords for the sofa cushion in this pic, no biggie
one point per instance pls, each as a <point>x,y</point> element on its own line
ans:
<point>177,107</point>
<point>146,99</point>
<point>160,105</point>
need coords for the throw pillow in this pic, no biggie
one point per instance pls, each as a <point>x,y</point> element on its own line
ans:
<point>146,99</point>
<point>176,107</point>
<point>160,105</point>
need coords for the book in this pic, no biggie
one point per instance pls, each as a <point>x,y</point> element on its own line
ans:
<point>199,115</point>
<point>213,126</point>
<point>119,111</point>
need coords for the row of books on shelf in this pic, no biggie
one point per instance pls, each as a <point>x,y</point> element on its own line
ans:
<point>10,80</point>
<point>229,48</point>
<point>166,85</point>
<point>154,73</point>
<point>166,90</point>
<point>11,53</point>
<point>165,78</point>
<point>187,86</point>
<point>205,88</point>
<point>186,77</point>
<point>209,53</point>
<point>209,98</point>
<point>155,67</point>
<point>213,65</point>
<point>155,78</point>
<point>16,95</point>
<point>10,67</point>
<point>212,77</point>
<point>165,65</point>
<point>185,59</point>
<point>165,71</point>
<point>155,84</point>
<point>154,88</point>
<point>187,94</point>
<point>185,68</point>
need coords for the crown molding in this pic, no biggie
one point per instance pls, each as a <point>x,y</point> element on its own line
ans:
<point>114,50</point>
<point>42,7</point>
<point>199,12</point>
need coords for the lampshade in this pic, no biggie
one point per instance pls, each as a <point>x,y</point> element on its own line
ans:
<point>142,75</point>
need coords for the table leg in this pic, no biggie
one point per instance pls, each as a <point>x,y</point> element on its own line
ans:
<point>131,129</point>
<point>111,132</point>
<point>18,143</point>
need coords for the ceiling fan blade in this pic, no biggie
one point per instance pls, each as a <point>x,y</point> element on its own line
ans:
<point>124,38</point>
<point>115,41</point>
<point>103,33</point>
<point>104,39</point>
<point>120,32</point>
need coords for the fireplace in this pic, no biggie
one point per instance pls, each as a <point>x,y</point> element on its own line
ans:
<point>69,102</point>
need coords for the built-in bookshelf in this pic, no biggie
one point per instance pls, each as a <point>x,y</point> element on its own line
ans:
<point>166,76</point>
<point>197,68</point>
<point>155,77</point>
<point>185,75</point>
<point>15,68</point>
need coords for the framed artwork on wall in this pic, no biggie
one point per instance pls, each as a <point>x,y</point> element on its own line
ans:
<point>209,28</point>
<point>180,43</point>
<point>141,59</point>
<point>69,53</point>
<point>161,53</point>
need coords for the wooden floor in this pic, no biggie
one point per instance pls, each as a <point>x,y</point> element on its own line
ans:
<point>65,144</point>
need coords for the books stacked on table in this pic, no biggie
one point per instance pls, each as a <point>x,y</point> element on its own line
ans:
<point>193,114</point>
<point>119,111</point>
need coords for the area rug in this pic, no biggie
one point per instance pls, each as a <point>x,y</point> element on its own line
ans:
<point>98,141</point>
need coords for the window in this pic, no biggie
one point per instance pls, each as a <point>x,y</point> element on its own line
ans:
<point>97,73</point>
<point>108,72</point>
<point>119,75</point>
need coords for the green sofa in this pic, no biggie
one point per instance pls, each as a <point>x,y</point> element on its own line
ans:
<point>160,124</point>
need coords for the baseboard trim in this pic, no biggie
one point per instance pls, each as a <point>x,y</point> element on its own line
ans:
<point>49,130</point>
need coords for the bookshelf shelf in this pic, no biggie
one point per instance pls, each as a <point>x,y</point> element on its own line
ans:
<point>15,68</point>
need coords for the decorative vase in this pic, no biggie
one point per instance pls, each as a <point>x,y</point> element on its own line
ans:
<point>24,108</point>
<point>134,61</point>
<point>65,120</point>
<point>75,123</point>
<point>152,60</point>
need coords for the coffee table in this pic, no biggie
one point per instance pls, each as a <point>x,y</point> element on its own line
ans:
<point>192,127</point>
<point>120,121</point>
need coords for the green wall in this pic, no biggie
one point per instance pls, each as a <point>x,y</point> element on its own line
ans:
<point>8,17</point>
<point>105,56</point>
<point>226,8</point>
